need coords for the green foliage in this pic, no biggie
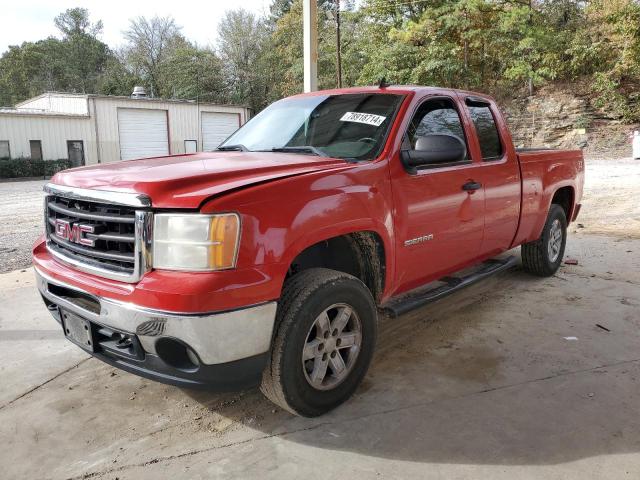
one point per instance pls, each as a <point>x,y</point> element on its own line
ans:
<point>614,33</point>
<point>476,44</point>
<point>242,46</point>
<point>25,167</point>
<point>152,42</point>
<point>158,57</point>
<point>72,64</point>
<point>192,72</point>
<point>584,121</point>
<point>83,55</point>
<point>285,48</point>
<point>118,77</point>
<point>30,69</point>
<point>501,47</point>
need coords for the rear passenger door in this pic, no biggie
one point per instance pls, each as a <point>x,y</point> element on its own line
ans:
<point>498,172</point>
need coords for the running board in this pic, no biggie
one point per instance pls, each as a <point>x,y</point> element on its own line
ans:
<point>405,304</point>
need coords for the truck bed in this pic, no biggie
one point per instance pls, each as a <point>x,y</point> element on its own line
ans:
<point>544,172</point>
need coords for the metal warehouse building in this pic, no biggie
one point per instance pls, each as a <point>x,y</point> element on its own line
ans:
<point>89,129</point>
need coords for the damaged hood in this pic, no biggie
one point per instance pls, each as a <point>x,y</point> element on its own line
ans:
<point>185,181</point>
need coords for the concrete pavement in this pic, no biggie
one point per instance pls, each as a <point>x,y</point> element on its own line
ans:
<point>483,384</point>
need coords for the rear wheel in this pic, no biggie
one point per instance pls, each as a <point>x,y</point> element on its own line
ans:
<point>325,337</point>
<point>544,256</point>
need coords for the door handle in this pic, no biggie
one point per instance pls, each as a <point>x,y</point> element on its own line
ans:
<point>471,186</point>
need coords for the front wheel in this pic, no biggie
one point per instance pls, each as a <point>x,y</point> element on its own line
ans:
<point>544,256</point>
<point>325,337</point>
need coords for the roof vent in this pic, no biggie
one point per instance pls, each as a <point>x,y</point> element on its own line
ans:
<point>139,92</point>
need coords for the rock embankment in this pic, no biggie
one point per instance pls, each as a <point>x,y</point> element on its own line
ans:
<point>559,117</point>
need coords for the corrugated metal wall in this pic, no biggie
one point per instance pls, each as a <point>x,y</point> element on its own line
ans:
<point>184,123</point>
<point>99,130</point>
<point>52,130</point>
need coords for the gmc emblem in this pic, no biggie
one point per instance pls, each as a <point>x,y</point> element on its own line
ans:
<point>73,232</point>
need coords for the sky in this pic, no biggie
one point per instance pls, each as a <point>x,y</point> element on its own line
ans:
<point>30,20</point>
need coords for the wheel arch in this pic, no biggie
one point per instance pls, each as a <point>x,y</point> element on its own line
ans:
<point>565,197</point>
<point>360,253</point>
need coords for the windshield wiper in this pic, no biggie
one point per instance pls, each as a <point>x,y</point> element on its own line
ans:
<point>301,149</point>
<point>233,148</point>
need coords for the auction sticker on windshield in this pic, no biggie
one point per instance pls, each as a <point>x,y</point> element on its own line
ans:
<point>368,118</point>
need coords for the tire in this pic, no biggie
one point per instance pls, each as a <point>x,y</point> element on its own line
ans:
<point>287,379</point>
<point>539,257</point>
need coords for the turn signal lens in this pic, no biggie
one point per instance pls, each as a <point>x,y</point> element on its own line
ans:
<point>224,235</point>
<point>195,242</point>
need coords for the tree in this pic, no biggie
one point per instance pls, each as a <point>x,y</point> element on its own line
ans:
<point>496,46</point>
<point>614,33</point>
<point>474,44</point>
<point>278,9</point>
<point>151,43</point>
<point>75,21</point>
<point>85,56</point>
<point>74,63</point>
<point>536,51</point>
<point>242,45</point>
<point>192,72</point>
<point>30,69</point>
<point>118,77</point>
<point>286,46</point>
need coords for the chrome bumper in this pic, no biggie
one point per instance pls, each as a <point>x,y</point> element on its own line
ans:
<point>215,337</point>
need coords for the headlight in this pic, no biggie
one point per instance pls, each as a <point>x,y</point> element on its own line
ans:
<point>195,242</point>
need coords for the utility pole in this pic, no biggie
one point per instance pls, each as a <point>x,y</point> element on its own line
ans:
<point>338,53</point>
<point>310,43</point>
<point>199,145</point>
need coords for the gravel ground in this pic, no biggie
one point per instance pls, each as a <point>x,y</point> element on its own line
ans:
<point>609,208</point>
<point>20,222</point>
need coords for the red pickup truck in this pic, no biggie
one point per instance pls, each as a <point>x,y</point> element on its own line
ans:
<point>266,262</point>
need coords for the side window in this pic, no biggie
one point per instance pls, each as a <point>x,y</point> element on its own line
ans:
<point>36,149</point>
<point>487,131</point>
<point>437,117</point>
<point>5,151</point>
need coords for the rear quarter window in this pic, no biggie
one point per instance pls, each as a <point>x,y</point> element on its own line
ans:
<point>487,131</point>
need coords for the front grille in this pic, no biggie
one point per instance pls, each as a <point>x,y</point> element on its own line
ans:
<point>115,232</point>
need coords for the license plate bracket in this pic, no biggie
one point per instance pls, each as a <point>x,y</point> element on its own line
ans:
<point>77,329</point>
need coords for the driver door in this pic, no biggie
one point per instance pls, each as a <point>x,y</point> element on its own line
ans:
<point>439,221</point>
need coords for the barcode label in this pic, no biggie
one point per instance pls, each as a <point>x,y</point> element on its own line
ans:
<point>367,118</point>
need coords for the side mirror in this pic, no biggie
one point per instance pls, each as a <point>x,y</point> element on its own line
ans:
<point>433,150</point>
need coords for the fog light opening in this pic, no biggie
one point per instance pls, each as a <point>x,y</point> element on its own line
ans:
<point>193,357</point>
<point>177,354</point>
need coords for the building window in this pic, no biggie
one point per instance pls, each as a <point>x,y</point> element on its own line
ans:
<point>190,146</point>
<point>75,152</point>
<point>5,151</point>
<point>36,149</point>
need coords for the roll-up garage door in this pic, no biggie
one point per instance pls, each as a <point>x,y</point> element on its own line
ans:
<point>143,133</point>
<point>216,127</point>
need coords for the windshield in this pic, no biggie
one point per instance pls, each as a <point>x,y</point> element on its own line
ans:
<point>351,126</point>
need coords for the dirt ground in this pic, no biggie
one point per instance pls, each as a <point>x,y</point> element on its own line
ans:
<point>611,204</point>
<point>514,378</point>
